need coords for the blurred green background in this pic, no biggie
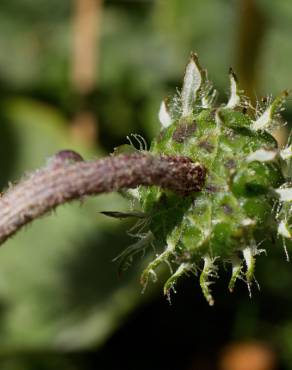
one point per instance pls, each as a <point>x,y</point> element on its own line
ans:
<point>84,74</point>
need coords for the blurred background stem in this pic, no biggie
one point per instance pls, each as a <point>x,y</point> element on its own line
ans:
<point>87,17</point>
<point>251,33</point>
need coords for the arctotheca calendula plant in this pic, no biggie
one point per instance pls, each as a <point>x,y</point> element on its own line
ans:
<point>247,193</point>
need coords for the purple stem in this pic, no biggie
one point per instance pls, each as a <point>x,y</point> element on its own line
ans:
<point>67,177</point>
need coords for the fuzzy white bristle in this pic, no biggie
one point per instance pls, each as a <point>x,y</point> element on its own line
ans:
<point>164,116</point>
<point>209,271</point>
<point>248,222</point>
<point>283,230</point>
<point>286,153</point>
<point>264,120</point>
<point>262,155</point>
<point>208,99</point>
<point>234,99</point>
<point>285,194</point>
<point>134,193</point>
<point>236,272</point>
<point>191,85</point>
<point>248,257</point>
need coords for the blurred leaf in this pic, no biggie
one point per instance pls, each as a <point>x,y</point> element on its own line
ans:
<point>58,286</point>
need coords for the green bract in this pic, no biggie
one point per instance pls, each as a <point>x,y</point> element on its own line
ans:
<point>246,193</point>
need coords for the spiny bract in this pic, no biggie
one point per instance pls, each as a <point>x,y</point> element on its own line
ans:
<point>246,194</point>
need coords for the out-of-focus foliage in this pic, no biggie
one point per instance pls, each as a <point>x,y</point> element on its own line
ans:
<point>58,288</point>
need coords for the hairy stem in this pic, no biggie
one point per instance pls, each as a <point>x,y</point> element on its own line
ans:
<point>67,177</point>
